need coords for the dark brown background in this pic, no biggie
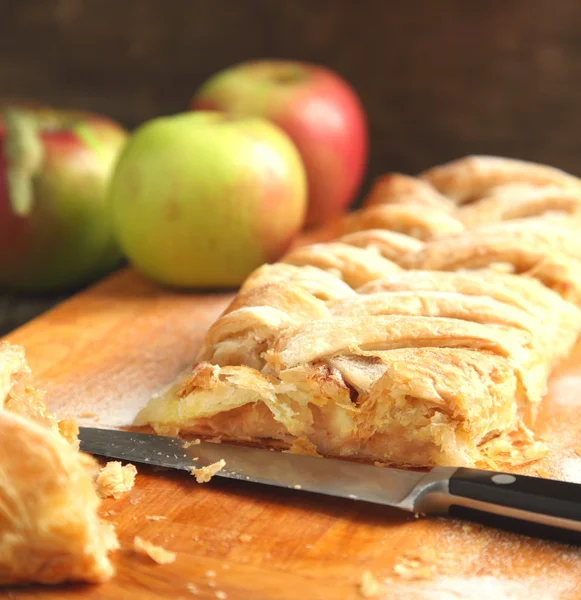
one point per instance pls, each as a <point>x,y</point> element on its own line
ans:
<point>438,79</point>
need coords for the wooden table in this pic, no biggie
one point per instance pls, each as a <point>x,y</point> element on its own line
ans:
<point>106,350</point>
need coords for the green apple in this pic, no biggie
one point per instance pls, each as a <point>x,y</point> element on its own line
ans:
<point>201,199</point>
<point>55,228</point>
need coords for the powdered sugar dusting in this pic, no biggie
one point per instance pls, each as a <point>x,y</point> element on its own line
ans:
<point>480,588</point>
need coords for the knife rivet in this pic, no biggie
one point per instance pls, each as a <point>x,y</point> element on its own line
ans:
<point>503,479</point>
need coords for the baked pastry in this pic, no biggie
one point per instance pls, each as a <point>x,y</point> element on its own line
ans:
<point>519,200</point>
<point>424,224</point>
<point>424,335</point>
<point>49,528</point>
<point>467,179</point>
<point>396,188</point>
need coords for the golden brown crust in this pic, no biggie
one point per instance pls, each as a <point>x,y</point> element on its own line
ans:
<point>396,188</point>
<point>318,282</point>
<point>421,222</point>
<point>355,266</point>
<point>389,244</point>
<point>49,528</point>
<point>545,251</point>
<point>438,349</point>
<point>468,178</point>
<point>520,200</point>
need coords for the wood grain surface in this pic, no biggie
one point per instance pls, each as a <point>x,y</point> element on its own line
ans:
<point>108,349</point>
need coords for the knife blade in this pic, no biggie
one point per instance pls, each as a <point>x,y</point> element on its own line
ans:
<point>528,504</point>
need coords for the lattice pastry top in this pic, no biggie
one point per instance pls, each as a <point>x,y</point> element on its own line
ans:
<point>424,334</point>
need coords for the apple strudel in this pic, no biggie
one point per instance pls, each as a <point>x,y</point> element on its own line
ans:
<point>423,335</point>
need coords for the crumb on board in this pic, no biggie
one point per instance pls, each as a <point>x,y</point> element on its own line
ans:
<point>155,517</point>
<point>543,473</point>
<point>297,486</point>
<point>87,415</point>
<point>369,587</point>
<point>204,474</point>
<point>210,573</point>
<point>190,443</point>
<point>192,588</point>
<point>220,595</point>
<point>158,554</point>
<point>114,479</point>
<point>423,563</point>
<point>245,538</point>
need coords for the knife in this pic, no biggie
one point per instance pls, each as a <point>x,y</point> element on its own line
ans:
<point>526,504</point>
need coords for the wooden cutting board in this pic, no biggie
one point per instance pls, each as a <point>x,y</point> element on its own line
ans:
<point>103,353</point>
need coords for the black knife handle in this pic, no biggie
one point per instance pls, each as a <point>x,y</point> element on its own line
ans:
<point>527,504</point>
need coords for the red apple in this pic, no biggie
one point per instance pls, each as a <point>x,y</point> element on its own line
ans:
<point>55,166</point>
<point>316,108</point>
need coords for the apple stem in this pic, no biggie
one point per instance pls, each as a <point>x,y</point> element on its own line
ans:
<point>24,154</point>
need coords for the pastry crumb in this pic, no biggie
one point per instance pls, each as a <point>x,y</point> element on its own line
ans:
<point>157,553</point>
<point>69,429</point>
<point>87,415</point>
<point>423,564</point>
<point>109,513</point>
<point>210,573</point>
<point>204,474</point>
<point>220,595</point>
<point>155,517</point>
<point>412,570</point>
<point>191,443</point>
<point>245,537</point>
<point>114,479</point>
<point>369,587</point>
<point>578,451</point>
<point>297,486</point>
<point>192,588</point>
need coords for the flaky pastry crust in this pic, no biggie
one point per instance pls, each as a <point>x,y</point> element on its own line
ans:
<point>49,528</point>
<point>424,335</point>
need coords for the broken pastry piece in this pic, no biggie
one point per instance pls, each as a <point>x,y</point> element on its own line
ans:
<point>411,352</point>
<point>205,474</point>
<point>157,554</point>
<point>115,479</point>
<point>49,528</point>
